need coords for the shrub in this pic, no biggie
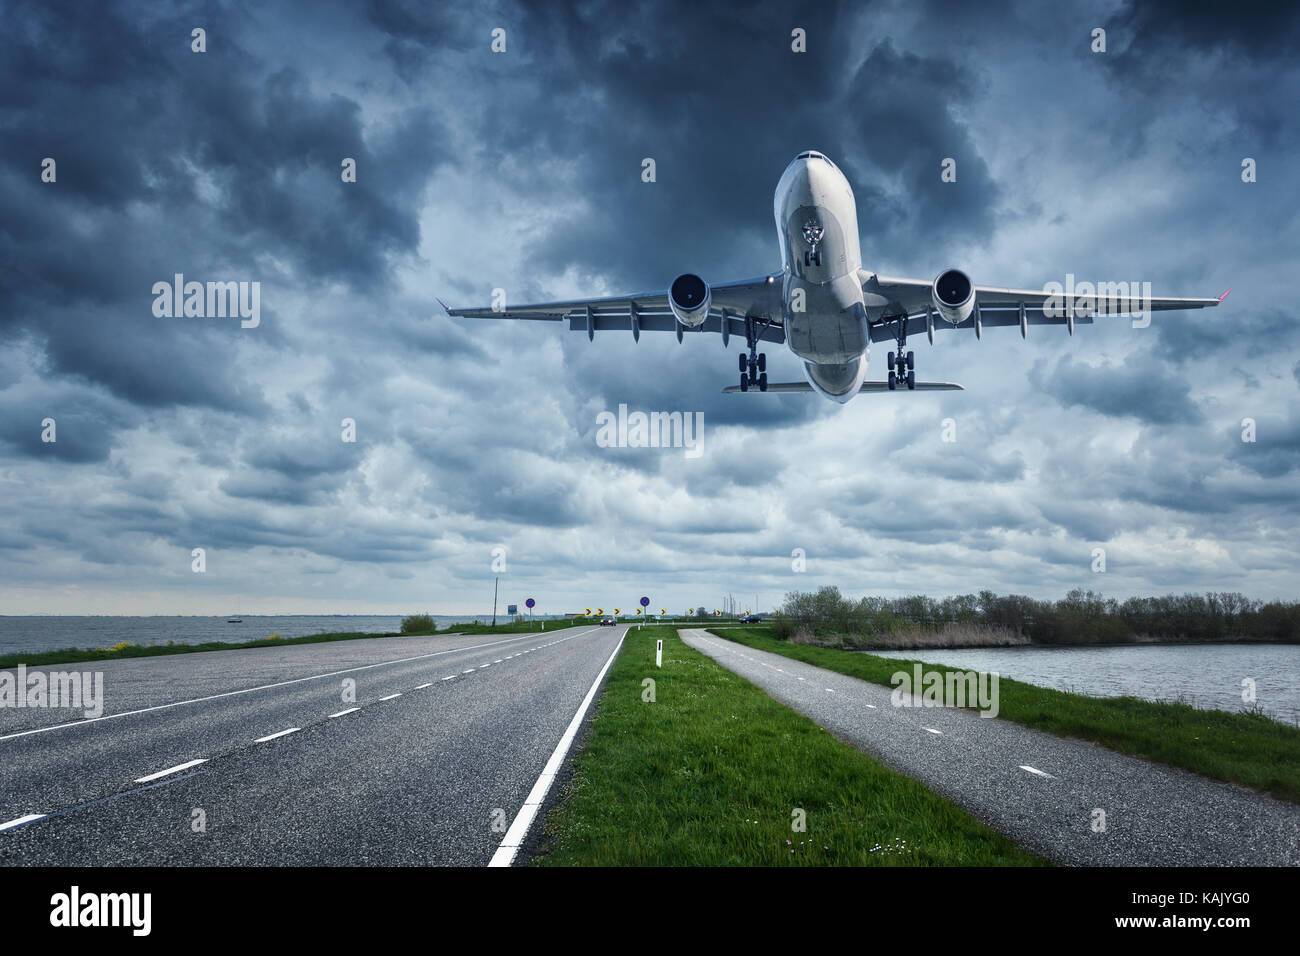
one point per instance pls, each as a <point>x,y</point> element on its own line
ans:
<point>417,624</point>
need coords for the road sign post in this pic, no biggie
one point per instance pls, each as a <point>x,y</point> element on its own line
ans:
<point>645,603</point>
<point>529,604</point>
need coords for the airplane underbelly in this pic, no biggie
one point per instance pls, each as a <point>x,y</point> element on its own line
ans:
<point>828,332</point>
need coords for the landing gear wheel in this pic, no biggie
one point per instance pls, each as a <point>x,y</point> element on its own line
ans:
<point>744,362</point>
<point>911,381</point>
<point>890,361</point>
<point>762,362</point>
<point>893,381</point>
<point>762,382</point>
<point>744,382</point>
<point>911,360</point>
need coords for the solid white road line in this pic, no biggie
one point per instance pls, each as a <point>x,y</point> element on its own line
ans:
<point>514,838</point>
<point>283,733</point>
<point>21,820</point>
<point>390,696</point>
<point>350,710</point>
<point>1034,770</point>
<point>170,770</point>
<point>283,683</point>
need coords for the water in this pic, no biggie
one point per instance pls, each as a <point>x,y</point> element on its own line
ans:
<point>33,634</point>
<point>1203,675</point>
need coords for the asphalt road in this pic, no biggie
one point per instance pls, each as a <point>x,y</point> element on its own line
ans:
<point>428,764</point>
<point>1039,789</point>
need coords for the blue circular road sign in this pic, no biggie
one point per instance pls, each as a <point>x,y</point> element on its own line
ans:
<point>645,602</point>
<point>530,603</point>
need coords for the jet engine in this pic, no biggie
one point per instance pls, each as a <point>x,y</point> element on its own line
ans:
<point>689,299</point>
<point>953,295</point>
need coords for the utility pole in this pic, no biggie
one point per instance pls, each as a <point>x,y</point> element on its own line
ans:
<point>494,601</point>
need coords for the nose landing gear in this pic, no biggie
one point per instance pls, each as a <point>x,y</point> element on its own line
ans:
<point>812,234</point>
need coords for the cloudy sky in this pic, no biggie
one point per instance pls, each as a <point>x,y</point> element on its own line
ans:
<point>521,170</point>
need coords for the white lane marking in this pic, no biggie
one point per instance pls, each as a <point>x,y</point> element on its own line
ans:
<point>484,666</point>
<point>470,671</point>
<point>497,661</point>
<point>283,733</point>
<point>505,854</point>
<point>283,683</point>
<point>176,769</point>
<point>21,820</point>
<point>829,691</point>
<point>423,686</point>
<point>872,706</point>
<point>1035,770</point>
<point>803,678</point>
<point>350,710</point>
<point>450,677</point>
<point>931,730</point>
<point>390,697</point>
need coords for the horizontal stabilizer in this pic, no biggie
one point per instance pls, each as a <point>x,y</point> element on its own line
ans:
<point>866,387</point>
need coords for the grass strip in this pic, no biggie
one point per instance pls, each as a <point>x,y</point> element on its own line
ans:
<point>1251,749</point>
<point>714,771</point>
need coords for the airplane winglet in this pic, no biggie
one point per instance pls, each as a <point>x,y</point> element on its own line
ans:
<point>1225,295</point>
<point>448,311</point>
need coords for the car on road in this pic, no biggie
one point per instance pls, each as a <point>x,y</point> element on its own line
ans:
<point>752,619</point>
<point>606,622</point>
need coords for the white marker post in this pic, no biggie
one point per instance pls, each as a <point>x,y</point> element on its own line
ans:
<point>659,653</point>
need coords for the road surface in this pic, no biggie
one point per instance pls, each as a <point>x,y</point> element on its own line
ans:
<point>261,757</point>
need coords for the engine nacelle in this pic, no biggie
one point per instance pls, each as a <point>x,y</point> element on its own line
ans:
<point>953,295</point>
<point>689,298</point>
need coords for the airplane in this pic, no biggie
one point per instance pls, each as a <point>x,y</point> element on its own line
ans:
<point>824,306</point>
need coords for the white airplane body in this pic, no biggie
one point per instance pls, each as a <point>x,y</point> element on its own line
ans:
<point>825,307</point>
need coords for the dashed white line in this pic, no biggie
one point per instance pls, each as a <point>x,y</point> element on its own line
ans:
<point>390,696</point>
<point>1035,770</point>
<point>497,661</point>
<point>450,677</point>
<point>169,770</point>
<point>284,683</point>
<point>872,706</point>
<point>470,671</point>
<point>350,710</point>
<point>931,730</point>
<point>31,817</point>
<point>423,686</point>
<point>283,733</point>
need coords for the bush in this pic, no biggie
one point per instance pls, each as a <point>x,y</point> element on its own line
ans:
<point>417,624</point>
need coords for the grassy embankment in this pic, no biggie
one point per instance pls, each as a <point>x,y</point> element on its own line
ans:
<point>713,770</point>
<point>1251,749</point>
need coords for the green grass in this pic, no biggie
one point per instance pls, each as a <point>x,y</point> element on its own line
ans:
<point>711,772</point>
<point>73,655</point>
<point>1251,749</point>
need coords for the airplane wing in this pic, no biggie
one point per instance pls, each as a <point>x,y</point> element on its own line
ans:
<point>997,306</point>
<point>866,387</point>
<point>758,300</point>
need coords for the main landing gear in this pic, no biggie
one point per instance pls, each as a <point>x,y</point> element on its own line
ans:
<point>902,367</point>
<point>753,367</point>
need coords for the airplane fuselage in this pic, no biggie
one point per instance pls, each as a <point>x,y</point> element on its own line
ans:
<point>825,318</point>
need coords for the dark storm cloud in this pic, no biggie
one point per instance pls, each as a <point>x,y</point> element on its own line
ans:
<point>523,171</point>
<point>1145,391</point>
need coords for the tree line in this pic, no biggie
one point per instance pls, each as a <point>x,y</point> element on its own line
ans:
<point>1081,617</point>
